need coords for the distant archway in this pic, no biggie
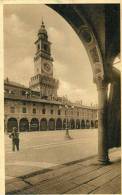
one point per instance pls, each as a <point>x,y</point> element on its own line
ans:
<point>24,124</point>
<point>77,124</point>
<point>64,124</point>
<point>58,124</point>
<point>92,124</point>
<point>96,124</point>
<point>51,124</point>
<point>87,124</point>
<point>72,124</point>
<point>34,124</point>
<point>43,124</point>
<point>12,122</point>
<point>83,124</point>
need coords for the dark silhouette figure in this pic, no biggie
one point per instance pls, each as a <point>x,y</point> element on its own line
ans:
<point>15,139</point>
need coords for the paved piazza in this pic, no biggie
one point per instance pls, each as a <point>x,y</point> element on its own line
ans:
<point>42,150</point>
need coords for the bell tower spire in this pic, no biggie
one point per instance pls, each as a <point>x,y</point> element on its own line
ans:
<point>43,80</point>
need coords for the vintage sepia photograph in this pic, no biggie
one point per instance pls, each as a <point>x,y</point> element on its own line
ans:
<point>62,99</point>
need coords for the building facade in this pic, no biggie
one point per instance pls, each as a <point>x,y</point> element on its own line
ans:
<point>37,107</point>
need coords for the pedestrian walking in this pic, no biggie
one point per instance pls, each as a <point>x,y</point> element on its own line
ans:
<point>15,139</point>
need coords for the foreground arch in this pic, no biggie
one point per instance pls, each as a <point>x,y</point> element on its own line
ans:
<point>102,48</point>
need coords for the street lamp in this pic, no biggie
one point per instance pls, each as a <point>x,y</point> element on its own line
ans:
<point>72,109</point>
<point>59,111</point>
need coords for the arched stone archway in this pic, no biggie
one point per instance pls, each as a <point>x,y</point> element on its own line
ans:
<point>87,124</point>
<point>92,124</point>
<point>77,124</point>
<point>51,124</point>
<point>34,124</point>
<point>96,124</point>
<point>101,47</point>
<point>12,122</point>
<point>95,47</point>
<point>72,124</point>
<point>64,124</point>
<point>24,124</point>
<point>85,33</point>
<point>83,124</point>
<point>59,124</point>
<point>43,124</point>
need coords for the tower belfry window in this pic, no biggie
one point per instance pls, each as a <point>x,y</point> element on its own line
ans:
<point>38,47</point>
<point>45,47</point>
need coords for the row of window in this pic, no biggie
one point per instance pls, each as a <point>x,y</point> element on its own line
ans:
<point>22,92</point>
<point>24,110</point>
<point>71,112</point>
<point>34,111</point>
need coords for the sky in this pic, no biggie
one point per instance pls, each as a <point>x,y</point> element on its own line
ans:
<point>71,63</point>
<point>117,63</point>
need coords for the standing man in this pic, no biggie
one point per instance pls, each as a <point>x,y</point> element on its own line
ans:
<point>15,139</point>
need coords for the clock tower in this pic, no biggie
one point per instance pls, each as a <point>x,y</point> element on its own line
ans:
<point>43,80</point>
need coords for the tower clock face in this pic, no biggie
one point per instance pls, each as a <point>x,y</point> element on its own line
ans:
<point>47,68</point>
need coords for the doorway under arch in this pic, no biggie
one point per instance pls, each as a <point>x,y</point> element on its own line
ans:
<point>96,124</point>
<point>58,124</point>
<point>34,124</point>
<point>12,122</point>
<point>43,124</point>
<point>78,124</point>
<point>24,124</point>
<point>92,124</point>
<point>64,123</point>
<point>51,124</point>
<point>87,124</point>
<point>83,124</point>
<point>72,123</point>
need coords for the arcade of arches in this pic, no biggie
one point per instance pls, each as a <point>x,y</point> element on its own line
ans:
<point>44,124</point>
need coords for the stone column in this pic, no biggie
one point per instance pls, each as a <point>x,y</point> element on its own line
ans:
<point>102,88</point>
<point>29,122</point>
<point>39,123</point>
<point>55,122</point>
